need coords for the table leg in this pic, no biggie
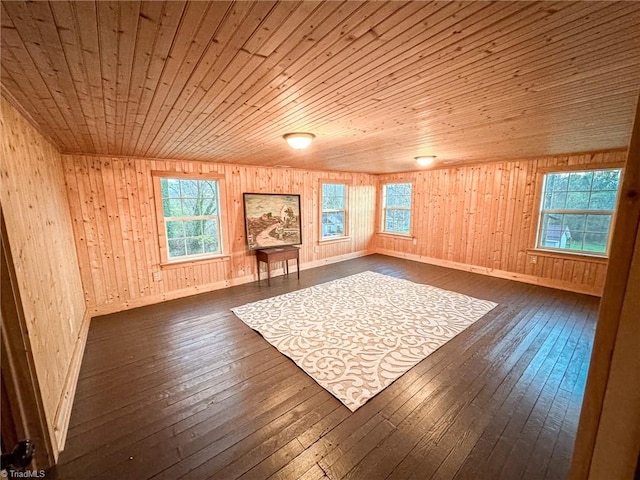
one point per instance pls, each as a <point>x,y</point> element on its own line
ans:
<point>298,266</point>
<point>268,273</point>
<point>258,262</point>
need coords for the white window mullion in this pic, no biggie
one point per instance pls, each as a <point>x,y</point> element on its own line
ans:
<point>570,223</point>
<point>336,223</point>
<point>186,236</point>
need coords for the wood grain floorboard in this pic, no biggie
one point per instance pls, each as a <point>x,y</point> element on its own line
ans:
<point>184,389</point>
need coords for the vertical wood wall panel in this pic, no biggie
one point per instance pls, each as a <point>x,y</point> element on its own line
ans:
<point>114,218</point>
<point>41,238</point>
<point>475,217</point>
<point>481,218</point>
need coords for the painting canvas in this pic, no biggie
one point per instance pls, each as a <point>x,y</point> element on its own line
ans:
<point>272,220</point>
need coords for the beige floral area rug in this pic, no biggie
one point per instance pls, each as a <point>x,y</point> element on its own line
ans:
<point>356,335</point>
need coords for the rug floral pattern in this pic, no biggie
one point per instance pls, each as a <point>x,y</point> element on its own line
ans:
<point>356,335</point>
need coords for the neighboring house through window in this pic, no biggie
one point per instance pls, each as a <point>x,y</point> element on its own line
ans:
<point>333,219</point>
<point>190,217</point>
<point>396,208</point>
<point>577,209</point>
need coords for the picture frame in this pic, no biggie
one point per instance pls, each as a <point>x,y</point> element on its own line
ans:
<point>272,220</point>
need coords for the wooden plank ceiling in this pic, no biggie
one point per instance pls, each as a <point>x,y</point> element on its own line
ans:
<point>378,83</point>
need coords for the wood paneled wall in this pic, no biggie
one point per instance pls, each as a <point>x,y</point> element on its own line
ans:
<point>481,218</point>
<point>35,206</point>
<point>477,218</point>
<point>114,220</point>
<point>608,439</point>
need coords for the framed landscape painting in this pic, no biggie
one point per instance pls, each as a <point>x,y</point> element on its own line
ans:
<point>272,220</point>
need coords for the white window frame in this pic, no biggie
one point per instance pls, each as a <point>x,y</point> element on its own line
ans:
<point>542,211</point>
<point>344,210</point>
<point>163,237</point>
<point>385,209</point>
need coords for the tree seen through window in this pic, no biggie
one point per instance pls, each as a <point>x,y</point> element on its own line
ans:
<point>334,210</point>
<point>191,216</point>
<point>396,208</point>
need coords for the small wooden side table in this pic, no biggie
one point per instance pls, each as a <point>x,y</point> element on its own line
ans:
<point>280,254</point>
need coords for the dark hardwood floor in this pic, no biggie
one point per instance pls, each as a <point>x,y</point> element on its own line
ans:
<point>184,389</point>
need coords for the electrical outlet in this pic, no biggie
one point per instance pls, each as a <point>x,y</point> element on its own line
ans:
<point>157,276</point>
<point>533,259</point>
<point>415,241</point>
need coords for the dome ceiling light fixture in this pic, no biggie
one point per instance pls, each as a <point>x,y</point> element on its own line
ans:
<point>426,160</point>
<point>299,140</point>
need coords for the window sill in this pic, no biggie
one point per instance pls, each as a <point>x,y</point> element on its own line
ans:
<point>567,255</point>
<point>405,236</point>
<point>333,240</point>
<point>193,261</point>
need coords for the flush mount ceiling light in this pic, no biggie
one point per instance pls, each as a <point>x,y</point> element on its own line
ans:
<point>425,161</point>
<point>299,140</point>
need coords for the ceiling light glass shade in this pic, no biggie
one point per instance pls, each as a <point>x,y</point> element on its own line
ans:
<point>425,161</point>
<point>299,140</point>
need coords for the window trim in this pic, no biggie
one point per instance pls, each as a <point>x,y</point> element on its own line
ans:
<point>345,234</point>
<point>160,223</point>
<point>536,218</point>
<point>383,209</point>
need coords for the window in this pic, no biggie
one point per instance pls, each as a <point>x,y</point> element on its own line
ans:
<point>396,208</point>
<point>576,210</point>
<point>191,213</point>
<point>334,211</point>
